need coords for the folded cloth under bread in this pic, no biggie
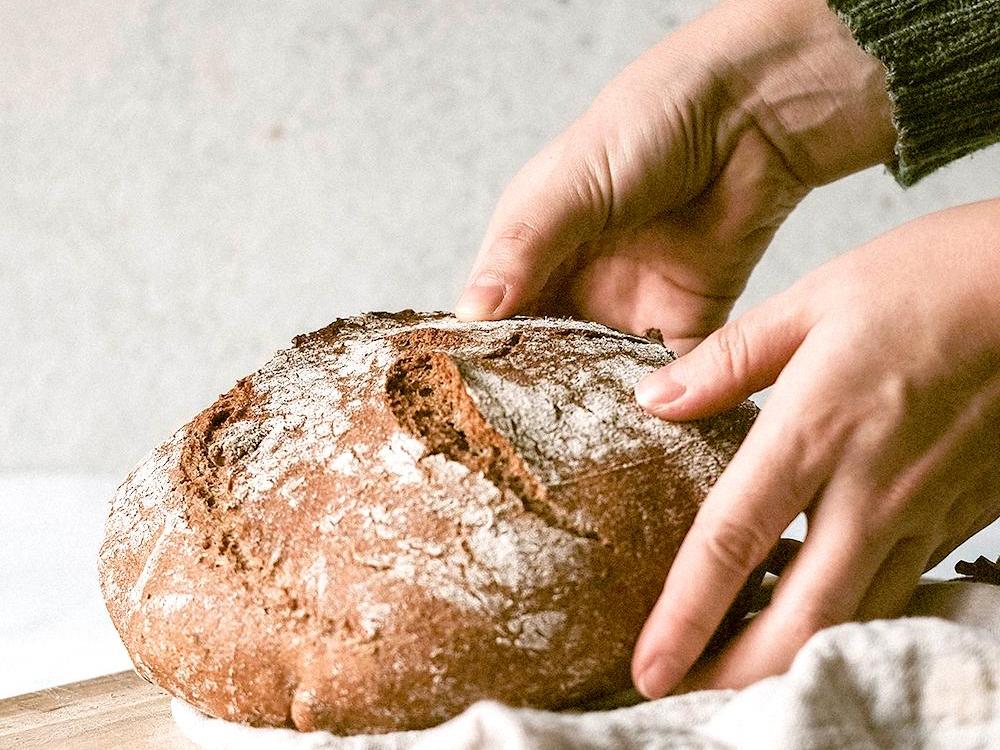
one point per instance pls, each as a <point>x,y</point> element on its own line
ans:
<point>928,680</point>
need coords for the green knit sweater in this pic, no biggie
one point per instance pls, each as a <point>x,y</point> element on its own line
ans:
<point>943,63</point>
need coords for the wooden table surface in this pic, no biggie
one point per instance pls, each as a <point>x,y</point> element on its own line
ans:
<point>115,711</point>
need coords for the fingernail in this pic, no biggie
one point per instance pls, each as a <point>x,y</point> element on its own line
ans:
<point>480,299</point>
<point>654,681</point>
<point>658,390</point>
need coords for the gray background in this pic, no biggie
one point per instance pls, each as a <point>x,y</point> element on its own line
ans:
<point>187,184</point>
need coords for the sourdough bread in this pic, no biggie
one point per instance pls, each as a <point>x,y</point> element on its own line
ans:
<point>404,513</point>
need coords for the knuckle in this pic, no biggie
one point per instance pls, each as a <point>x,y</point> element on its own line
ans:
<point>495,273</point>
<point>737,547</point>
<point>593,191</point>
<point>898,401</point>
<point>817,434</point>
<point>514,239</point>
<point>731,350</point>
<point>512,253</point>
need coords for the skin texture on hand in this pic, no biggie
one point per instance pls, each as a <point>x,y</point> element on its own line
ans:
<point>654,207</point>
<point>883,426</point>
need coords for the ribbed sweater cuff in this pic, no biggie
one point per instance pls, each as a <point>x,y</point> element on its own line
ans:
<point>943,63</point>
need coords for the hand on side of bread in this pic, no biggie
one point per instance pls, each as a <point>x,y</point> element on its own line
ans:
<point>652,209</point>
<point>883,426</point>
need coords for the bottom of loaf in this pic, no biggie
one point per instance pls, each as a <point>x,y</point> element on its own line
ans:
<point>486,722</point>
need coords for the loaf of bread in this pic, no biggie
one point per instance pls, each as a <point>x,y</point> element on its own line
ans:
<point>403,514</point>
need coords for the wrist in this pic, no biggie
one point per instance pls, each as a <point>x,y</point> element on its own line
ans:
<point>794,71</point>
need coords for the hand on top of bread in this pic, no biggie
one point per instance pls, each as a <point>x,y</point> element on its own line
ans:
<point>652,209</point>
<point>884,423</point>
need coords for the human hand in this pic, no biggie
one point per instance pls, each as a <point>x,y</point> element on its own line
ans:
<point>883,426</point>
<point>653,208</point>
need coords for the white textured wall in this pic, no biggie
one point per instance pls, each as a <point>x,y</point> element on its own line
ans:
<point>186,184</point>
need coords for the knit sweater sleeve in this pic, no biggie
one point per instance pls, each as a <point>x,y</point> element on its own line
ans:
<point>942,59</point>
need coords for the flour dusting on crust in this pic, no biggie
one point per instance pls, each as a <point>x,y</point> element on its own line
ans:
<point>305,553</point>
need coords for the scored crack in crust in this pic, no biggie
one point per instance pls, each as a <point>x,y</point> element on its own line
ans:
<point>427,394</point>
<point>404,513</point>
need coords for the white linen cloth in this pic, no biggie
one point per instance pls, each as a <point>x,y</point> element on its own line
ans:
<point>929,680</point>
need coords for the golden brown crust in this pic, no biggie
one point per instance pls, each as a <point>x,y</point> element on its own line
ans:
<point>403,514</point>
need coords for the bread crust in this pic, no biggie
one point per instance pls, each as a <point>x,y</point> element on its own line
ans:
<point>402,514</point>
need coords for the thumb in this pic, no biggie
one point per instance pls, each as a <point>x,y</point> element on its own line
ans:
<point>744,356</point>
<point>551,207</point>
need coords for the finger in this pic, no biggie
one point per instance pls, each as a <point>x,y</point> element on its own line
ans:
<point>775,474</point>
<point>896,580</point>
<point>824,586</point>
<point>739,359</point>
<point>557,202</point>
<point>976,506</point>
